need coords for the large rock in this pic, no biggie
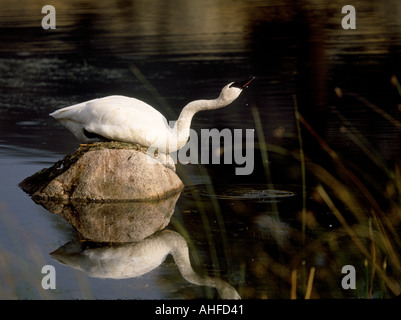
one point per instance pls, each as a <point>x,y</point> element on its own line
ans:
<point>104,172</point>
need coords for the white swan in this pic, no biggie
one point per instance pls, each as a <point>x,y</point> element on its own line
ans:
<point>125,119</point>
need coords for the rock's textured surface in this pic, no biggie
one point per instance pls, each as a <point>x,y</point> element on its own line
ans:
<point>104,174</point>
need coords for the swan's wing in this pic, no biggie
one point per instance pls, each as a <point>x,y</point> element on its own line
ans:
<point>107,110</point>
<point>124,119</point>
<point>117,118</point>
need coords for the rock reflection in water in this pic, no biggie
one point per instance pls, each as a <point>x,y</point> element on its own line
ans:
<point>116,221</point>
<point>130,260</point>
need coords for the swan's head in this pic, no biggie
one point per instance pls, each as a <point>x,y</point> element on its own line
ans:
<point>231,91</point>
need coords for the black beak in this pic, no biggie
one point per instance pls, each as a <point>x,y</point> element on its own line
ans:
<point>242,84</point>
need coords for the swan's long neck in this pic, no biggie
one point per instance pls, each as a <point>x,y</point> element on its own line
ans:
<point>180,253</point>
<point>183,124</point>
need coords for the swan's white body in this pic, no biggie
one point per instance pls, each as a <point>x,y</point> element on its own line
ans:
<point>116,118</point>
<point>120,118</point>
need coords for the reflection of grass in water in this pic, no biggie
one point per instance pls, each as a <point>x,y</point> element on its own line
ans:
<point>374,234</point>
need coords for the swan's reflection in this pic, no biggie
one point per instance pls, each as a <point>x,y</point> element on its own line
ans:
<point>126,241</point>
<point>129,260</point>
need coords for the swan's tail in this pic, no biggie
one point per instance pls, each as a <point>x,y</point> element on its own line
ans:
<point>68,112</point>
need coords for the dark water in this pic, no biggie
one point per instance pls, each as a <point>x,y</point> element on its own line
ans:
<point>252,231</point>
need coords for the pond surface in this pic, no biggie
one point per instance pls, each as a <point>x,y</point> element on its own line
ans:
<point>324,191</point>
